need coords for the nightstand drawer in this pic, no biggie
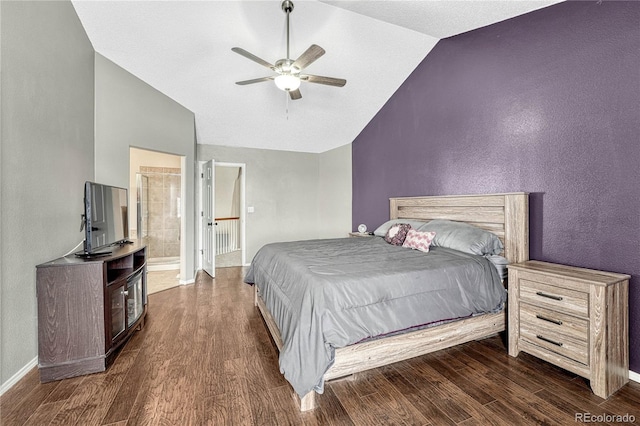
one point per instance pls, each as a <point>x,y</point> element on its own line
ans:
<point>548,322</point>
<point>570,348</point>
<point>561,299</point>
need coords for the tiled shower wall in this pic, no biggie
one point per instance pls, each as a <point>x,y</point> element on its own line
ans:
<point>163,195</point>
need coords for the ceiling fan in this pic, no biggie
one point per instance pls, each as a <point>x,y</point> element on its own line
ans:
<point>289,72</point>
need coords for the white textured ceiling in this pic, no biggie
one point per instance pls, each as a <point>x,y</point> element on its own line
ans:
<point>183,49</point>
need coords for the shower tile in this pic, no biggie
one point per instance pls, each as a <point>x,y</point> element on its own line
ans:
<point>156,194</point>
<point>171,223</point>
<point>173,181</point>
<point>150,169</point>
<point>156,213</point>
<point>155,180</point>
<point>156,244</point>
<point>155,222</point>
<point>170,209</point>
<point>166,195</point>
<point>163,220</point>
<point>171,236</point>
<point>155,252</point>
<point>172,249</point>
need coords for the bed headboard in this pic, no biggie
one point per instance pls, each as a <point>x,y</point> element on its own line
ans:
<point>506,215</point>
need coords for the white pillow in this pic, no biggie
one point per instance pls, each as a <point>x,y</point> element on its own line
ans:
<point>418,240</point>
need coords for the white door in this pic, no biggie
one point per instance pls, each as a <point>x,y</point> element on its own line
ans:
<point>208,216</point>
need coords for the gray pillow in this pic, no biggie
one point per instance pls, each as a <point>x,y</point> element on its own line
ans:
<point>381,230</point>
<point>463,237</point>
<point>500,263</point>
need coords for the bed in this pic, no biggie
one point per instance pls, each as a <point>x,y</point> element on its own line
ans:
<point>331,338</point>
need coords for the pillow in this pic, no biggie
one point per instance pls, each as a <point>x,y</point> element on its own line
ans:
<point>381,231</point>
<point>418,240</point>
<point>500,263</point>
<point>397,233</point>
<point>463,237</point>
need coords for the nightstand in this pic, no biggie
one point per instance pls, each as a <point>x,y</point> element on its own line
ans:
<point>360,234</point>
<point>575,318</point>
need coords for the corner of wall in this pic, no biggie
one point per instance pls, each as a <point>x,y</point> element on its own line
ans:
<point>334,192</point>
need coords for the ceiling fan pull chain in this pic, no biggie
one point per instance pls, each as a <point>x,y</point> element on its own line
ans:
<point>286,104</point>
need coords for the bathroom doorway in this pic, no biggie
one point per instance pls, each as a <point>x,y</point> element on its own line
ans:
<point>155,190</point>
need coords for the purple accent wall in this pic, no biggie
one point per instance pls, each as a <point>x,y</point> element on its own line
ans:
<point>547,103</point>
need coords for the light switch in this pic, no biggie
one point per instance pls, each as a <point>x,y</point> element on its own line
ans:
<point>251,209</point>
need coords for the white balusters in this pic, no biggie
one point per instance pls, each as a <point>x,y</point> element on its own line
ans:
<point>227,235</point>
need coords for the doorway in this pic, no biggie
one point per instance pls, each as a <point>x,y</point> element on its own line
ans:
<point>227,215</point>
<point>156,221</point>
<point>223,242</point>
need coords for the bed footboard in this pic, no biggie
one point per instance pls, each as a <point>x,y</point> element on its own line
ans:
<point>376,353</point>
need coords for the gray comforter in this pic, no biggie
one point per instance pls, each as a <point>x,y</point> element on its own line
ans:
<point>326,294</point>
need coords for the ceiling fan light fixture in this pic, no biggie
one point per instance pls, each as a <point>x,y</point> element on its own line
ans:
<point>287,82</point>
<point>289,71</point>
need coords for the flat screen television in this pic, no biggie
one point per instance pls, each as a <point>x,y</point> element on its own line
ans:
<point>105,218</point>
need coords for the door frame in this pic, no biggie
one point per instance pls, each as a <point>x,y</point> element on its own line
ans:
<point>183,208</point>
<point>243,208</point>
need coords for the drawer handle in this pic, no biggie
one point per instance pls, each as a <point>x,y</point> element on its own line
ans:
<point>553,342</point>
<point>549,296</point>
<point>555,321</point>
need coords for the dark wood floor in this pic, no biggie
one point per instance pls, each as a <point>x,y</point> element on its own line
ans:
<point>205,357</point>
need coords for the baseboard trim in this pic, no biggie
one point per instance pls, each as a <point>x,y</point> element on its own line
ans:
<point>160,267</point>
<point>19,375</point>
<point>634,376</point>
<point>185,282</point>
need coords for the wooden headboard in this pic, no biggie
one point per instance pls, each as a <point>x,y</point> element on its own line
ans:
<point>506,215</point>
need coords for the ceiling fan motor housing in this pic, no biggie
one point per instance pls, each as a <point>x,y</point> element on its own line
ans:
<point>285,66</point>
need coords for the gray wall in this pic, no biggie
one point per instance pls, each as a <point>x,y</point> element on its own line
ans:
<point>284,189</point>
<point>334,192</point>
<point>47,109</point>
<point>130,113</point>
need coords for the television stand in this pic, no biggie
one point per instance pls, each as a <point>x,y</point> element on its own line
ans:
<point>88,307</point>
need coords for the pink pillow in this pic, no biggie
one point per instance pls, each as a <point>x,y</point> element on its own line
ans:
<point>418,240</point>
<point>397,233</point>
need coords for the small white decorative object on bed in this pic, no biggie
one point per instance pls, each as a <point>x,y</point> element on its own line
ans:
<point>506,215</point>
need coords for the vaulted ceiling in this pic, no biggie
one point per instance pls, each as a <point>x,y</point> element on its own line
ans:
<point>183,49</point>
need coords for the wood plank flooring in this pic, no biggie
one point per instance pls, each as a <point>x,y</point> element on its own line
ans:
<point>206,358</point>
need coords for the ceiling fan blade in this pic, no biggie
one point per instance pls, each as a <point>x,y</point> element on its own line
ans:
<point>309,56</point>
<point>329,81</point>
<point>255,80</point>
<point>254,58</point>
<point>295,94</point>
